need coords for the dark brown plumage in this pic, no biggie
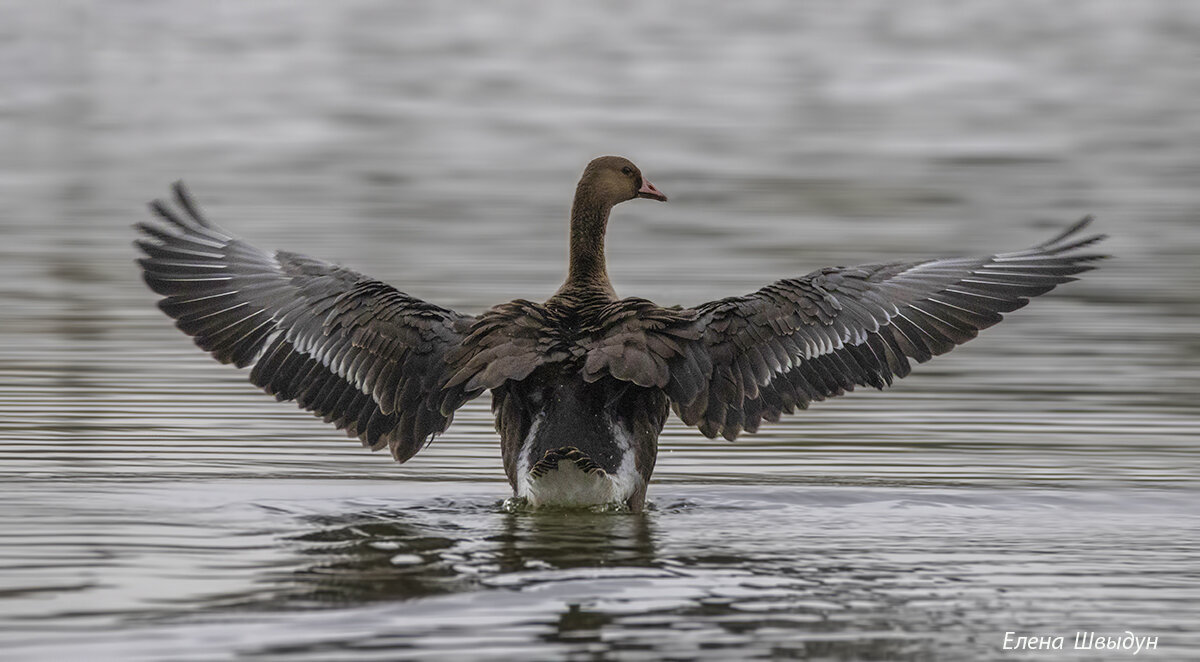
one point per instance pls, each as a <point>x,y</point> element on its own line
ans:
<point>582,383</point>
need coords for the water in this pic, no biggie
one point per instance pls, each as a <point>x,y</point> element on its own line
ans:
<point>1041,480</point>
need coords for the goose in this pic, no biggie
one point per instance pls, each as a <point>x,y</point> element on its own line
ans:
<point>582,383</point>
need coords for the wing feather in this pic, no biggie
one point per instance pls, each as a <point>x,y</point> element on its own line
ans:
<point>806,339</point>
<point>353,350</point>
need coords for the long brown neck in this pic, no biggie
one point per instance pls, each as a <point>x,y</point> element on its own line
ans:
<point>589,220</point>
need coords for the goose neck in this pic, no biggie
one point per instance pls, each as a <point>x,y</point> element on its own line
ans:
<point>589,221</point>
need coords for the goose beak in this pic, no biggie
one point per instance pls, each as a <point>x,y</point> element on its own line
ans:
<point>649,191</point>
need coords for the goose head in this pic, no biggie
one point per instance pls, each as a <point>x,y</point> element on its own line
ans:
<point>610,180</point>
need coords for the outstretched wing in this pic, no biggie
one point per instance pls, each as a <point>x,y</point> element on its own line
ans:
<point>355,351</point>
<point>818,336</point>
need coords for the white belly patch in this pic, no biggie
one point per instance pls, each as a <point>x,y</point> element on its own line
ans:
<point>568,485</point>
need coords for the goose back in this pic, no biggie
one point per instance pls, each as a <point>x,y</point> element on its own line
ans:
<point>631,340</point>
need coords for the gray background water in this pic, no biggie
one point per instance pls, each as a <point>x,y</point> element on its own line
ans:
<point>1042,480</point>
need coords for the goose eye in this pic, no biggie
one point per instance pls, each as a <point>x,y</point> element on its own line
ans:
<point>627,170</point>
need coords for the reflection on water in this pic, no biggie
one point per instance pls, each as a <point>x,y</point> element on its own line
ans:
<point>1042,479</point>
<point>283,568</point>
<point>398,554</point>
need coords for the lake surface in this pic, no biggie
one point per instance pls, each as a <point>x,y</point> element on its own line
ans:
<point>1041,480</point>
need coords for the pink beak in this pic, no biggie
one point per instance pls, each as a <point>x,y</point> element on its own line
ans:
<point>649,191</point>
